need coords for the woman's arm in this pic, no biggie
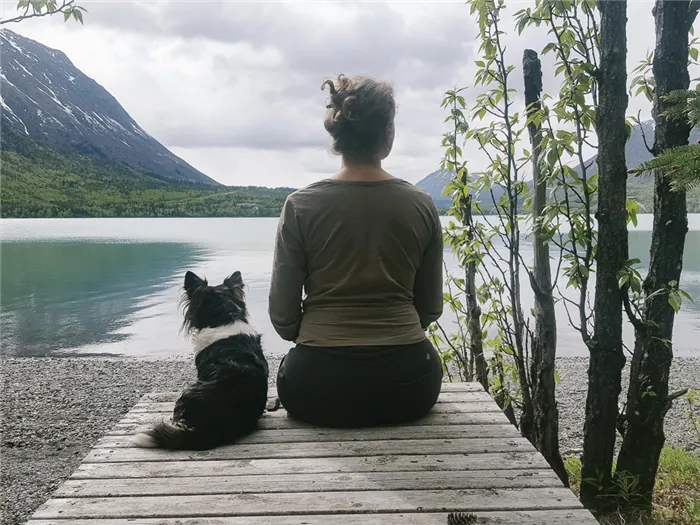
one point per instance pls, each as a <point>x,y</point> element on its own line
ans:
<point>427,288</point>
<point>288,275</point>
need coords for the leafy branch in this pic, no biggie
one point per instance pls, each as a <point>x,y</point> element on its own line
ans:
<point>43,8</point>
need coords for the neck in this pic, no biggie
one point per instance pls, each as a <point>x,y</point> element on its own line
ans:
<point>362,171</point>
<point>208,336</point>
<point>374,162</point>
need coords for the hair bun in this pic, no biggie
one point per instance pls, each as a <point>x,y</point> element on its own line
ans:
<point>359,111</point>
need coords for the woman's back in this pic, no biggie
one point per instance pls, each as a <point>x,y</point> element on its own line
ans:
<point>367,250</point>
<point>369,256</point>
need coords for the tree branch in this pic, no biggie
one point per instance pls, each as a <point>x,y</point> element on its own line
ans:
<point>636,321</point>
<point>644,135</point>
<point>66,6</point>
<point>676,395</point>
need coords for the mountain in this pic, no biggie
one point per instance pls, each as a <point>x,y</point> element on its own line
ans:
<point>640,189</point>
<point>44,96</point>
<point>435,183</point>
<point>636,151</point>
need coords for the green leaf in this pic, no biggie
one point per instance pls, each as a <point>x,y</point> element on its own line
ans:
<point>632,208</point>
<point>623,280</point>
<point>674,300</point>
<point>686,295</point>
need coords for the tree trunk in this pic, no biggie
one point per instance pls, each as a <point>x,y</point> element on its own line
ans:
<point>476,344</point>
<point>545,429</point>
<point>647,396</point>
<point>606,355</point>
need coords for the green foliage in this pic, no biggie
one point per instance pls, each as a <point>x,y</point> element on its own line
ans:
<point>643,83</point>
<point>692,398</point>
<point>41,8</point>
<point>496,129</point>
<point>568,126</point>
<point>41,182</point>
<point>681,164</point>
<point>676,494</point>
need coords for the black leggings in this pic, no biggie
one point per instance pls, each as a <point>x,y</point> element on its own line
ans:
<point>359,386</point>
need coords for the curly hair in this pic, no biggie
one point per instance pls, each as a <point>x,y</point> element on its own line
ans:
<point>359,114</point>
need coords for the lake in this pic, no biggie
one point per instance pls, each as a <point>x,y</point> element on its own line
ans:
<point>110,287</point>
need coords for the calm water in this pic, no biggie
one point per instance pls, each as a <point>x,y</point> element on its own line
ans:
<point>111,286</point>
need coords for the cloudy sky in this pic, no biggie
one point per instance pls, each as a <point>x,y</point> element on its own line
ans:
<point>234,87</point>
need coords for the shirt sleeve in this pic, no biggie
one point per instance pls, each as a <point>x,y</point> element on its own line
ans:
<point>427,288</point>
<point>288,276</point>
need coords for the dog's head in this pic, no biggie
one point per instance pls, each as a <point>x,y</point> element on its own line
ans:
<point>212,306</point>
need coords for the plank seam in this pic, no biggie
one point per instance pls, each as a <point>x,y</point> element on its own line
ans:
<point>554,485</point>
<point>255,458</point>
<point>319,513</point>
<point>151,476</point>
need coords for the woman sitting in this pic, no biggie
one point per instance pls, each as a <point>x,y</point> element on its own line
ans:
<point>367,250</point>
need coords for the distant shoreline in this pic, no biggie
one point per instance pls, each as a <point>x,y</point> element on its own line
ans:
<point>442,213</point>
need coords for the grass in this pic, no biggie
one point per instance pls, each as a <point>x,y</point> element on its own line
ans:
<point>676,495</point>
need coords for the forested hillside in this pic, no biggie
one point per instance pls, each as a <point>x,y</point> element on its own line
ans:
<point>41,182</point>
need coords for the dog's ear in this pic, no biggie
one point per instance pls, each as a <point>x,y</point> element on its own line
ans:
<point>234,280</point>
<point>192,282</point>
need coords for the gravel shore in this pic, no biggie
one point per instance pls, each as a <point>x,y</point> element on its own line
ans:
<point>53,411</point>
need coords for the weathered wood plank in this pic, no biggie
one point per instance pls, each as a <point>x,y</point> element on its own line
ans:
<point>439,408</point>
<point>280,420</point>
<point>532,517</point>
<point>408,463</point>
<point>463,456</point>
<point>352,481</point>
<point>319,435</point>
<point>161,397</point>
<point>271,504</point>
<point>165,403</point>
<point>316,450</point>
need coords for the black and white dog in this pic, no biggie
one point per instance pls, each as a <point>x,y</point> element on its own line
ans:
<point>230,393</point>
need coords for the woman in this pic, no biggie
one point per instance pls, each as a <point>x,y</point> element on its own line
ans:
<point>367,250</point>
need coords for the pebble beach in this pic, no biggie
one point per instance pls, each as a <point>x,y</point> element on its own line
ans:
<point>55,409</point>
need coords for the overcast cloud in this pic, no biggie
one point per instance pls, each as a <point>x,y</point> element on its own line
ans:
<point>234,87</point>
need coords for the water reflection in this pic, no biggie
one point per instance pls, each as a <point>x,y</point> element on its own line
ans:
<point>690,278</point>
<point>111,286</point>
<point>66,296</point>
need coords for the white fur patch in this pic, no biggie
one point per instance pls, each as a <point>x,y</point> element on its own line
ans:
<point>209,336</point>
<point>144,440</point>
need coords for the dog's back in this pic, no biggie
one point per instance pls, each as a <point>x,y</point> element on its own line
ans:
<point>230,393</point>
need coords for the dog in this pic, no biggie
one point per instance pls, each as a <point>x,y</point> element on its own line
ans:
<point>230,393</point>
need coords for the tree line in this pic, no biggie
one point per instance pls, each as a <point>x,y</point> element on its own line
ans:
<point>42,182</point>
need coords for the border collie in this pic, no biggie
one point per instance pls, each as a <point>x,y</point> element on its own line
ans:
<point>230,393</point>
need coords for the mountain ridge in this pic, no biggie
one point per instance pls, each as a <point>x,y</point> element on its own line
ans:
<point>639,188</point>
<point>49,99</point>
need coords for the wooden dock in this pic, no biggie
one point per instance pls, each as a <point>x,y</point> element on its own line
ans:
<point>463,456</point>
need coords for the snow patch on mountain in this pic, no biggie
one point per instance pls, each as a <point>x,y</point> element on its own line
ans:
<point>45,96</point>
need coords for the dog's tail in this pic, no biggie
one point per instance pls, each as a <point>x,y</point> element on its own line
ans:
<point>190,428</point>
<point>202,419</point>
<point>175,435</point>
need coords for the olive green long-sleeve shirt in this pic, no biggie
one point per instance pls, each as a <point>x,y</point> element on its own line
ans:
<point>368,256</point>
